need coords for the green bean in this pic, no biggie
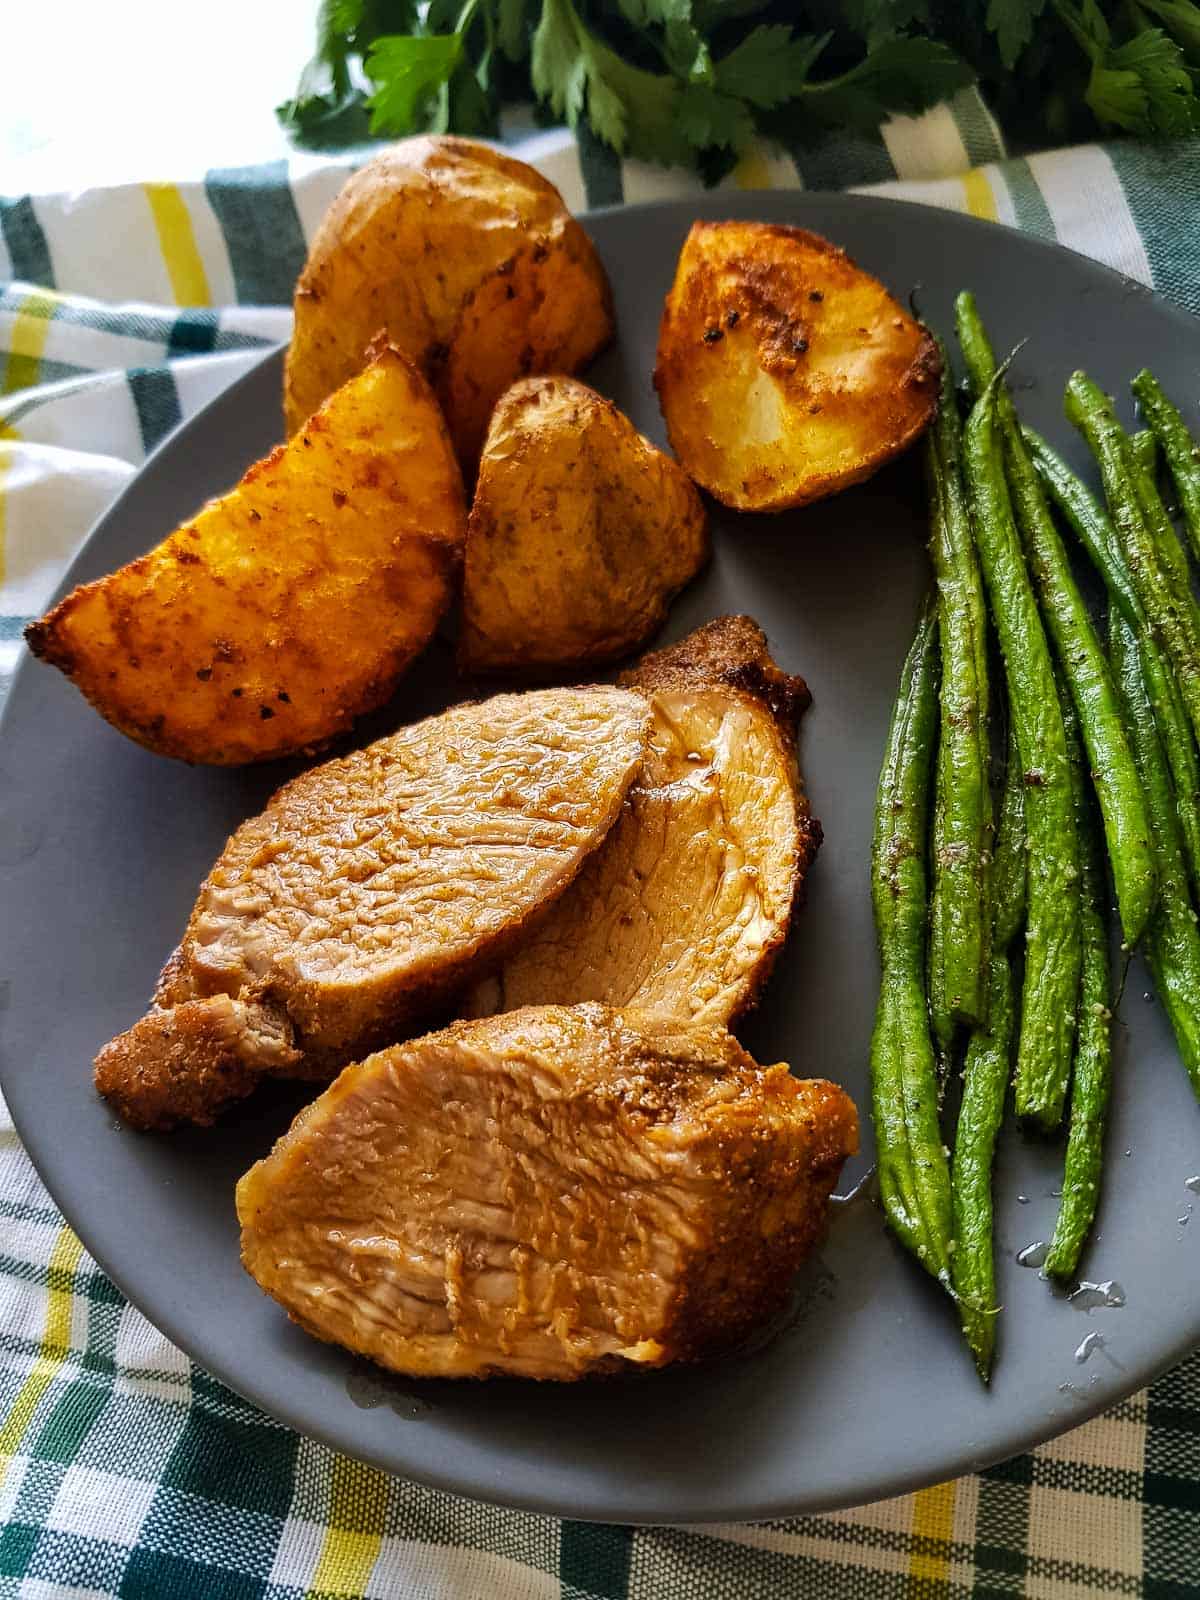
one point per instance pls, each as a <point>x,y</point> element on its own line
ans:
<point>1080,653</point>
<point>1090,523</point>
<point>1170,548</point>
<point>914,1177</point>
<point>941,1014</point>
<point>985,1079</point>
<point>1089,520</point>
<point>1091,1080</point>
<point>1009,860</point>
<point>1172,941</point>
<point>1171,624</point>
<point>962,819</point>
<point>1145,452</point>
<point>1180,449</point>
<point>1143,446</point>
<point>1052,955</point>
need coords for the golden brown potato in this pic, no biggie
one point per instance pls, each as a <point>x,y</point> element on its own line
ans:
<point>580,534</point>
<point>470,262</point>
<point>785,372</point>
<point>290,605</point>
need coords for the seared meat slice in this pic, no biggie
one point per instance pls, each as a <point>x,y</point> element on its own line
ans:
<point>547,1193</point>
<point>370,888</point>
<point>684,907</point>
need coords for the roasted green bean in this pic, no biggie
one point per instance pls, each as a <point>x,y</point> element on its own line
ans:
<point>1172,940</point>
<point>1145,451</point>
<point>914,1176</point>
<point>1080,653</point>
<point>1169,622</point>
<point>1052,954</point>
<point>962,820</point>
<point>1010,857</point>
<point>1091,1079</point>
<point>1170,548</point>
<point>1180,449</point>
<point>1091,523</point>
<point>985,1080</point>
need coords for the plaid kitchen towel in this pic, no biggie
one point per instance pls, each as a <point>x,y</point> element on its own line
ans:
<point>124,1469</point>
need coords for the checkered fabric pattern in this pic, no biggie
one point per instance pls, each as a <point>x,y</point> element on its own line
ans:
<point>124,1469</point>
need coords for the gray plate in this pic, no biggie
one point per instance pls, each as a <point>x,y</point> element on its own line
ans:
<point>868,1391</point>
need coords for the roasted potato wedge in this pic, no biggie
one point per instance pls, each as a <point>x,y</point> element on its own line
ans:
<point>470,263</point>
<point>786,373</point>
<point>290,605</point>
<point>580,534</point>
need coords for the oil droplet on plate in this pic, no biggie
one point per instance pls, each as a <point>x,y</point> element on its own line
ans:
<point>863,1186</point>
<point>1033,1255</point>
<point>367,1392</point>
<point>1074,1391</point>
<point>1022,1199</point>
<point>1089,1296</point>
<point>1193,1184</point>
<point>1089,1342</point>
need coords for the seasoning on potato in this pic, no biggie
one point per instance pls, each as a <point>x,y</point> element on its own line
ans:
<point>471,264</point>
<point>786,373</point>
<point>580,534</point>
<point>291,605</point>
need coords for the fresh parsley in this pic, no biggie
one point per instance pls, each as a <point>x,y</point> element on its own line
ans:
<point>693,82</point>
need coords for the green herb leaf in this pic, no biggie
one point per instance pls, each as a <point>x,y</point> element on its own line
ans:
<point>441,17</point>
<point>650,102</point>
<point>464,104</point>
<point>556,58</point>
<point>644,13</point>
<point>511,29</point>
<point>629,108</point>
<point>1012,23</point>
<point>1182,20</point>
<point>328,108</point>
<point>407,72</point>
<point>1095,21</point>
<point>1144,86</point>
<point>1054,69</point>
<point>686,53</point>
<point>769,66</point>
<point>877,20</point>
<point>707,117</point>
<point>898,75</point>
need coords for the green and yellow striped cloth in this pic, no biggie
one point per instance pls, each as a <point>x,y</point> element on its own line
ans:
<point>124,1469</point>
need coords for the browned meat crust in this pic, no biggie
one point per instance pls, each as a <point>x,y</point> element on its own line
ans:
<point>369,889</point>
<point>192,1061</point>
<point>548,1193</point>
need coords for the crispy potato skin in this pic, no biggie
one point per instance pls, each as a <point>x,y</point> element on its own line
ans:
<point>545,310</point>
<point>786,373</point>
<point>292,604</point>
<point>472,265</point>
<point>580,534</point>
